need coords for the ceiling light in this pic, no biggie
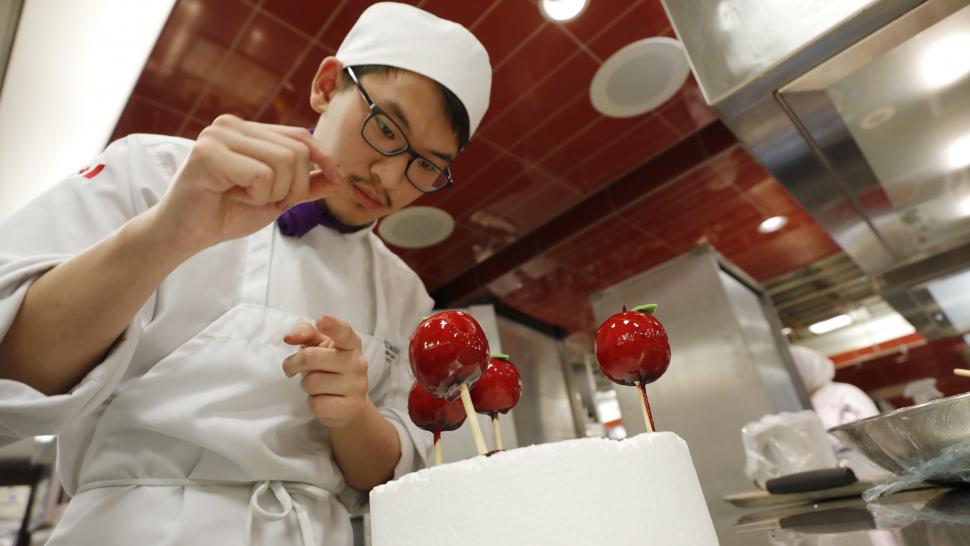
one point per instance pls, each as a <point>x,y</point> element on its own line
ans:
<point>639,77</point>
<point>946,61</point>
<point>416,227</point>
<point>958,153</point>
<point>773,224</point>
<point>830,325</point>
<point>786,331</point>
<point>562,10</point>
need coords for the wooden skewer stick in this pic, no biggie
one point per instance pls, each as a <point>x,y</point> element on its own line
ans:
<point>437,447</point>
<point>466,400</point>
<point>645,406</point>
<point>498,432</point>
<point>961,372</point>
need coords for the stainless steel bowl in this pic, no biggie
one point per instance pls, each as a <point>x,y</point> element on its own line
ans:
<point>904,439</point>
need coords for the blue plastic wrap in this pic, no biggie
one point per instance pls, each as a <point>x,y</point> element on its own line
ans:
<point>952,465</point>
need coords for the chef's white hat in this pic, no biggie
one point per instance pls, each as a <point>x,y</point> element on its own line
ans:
<point>403,36</point>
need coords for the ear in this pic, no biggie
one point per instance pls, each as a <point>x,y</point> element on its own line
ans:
<point>326,82</point>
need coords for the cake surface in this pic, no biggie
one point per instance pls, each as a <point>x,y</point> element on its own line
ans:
<point>642,490</point>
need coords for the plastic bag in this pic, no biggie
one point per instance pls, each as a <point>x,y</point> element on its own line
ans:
<point>951,465</point>
<point>785,443</point>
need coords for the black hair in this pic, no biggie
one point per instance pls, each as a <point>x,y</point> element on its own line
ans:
<point>454,109</point>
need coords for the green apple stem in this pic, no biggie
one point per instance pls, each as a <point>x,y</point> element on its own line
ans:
<point>645,406</point>
<point>437,447</point>
<point>497,431</point>
<point>466,400</point>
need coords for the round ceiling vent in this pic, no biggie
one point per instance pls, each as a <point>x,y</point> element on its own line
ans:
<point>639,77</point>
<point>416,227</point>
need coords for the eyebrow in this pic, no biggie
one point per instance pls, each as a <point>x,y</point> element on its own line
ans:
<point>395,109</point>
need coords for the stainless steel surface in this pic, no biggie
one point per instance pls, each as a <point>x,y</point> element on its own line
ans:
<point>733,41</point>
<point>543,414</point>
<point>810,294</point>
<point>930,517</point>
<point>881,123</point>
<point>853,125</point>
<point>907,438</point>
<point>721,356</point>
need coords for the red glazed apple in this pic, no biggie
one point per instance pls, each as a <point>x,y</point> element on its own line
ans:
<point>432,413</point>
<point>447,349</point>
<point>500,387</point>
<point>632,347</point>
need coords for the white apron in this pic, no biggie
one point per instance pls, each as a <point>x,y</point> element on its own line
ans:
<point>214,444</point>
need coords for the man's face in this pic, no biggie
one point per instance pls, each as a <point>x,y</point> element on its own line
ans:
<point>377,184</point>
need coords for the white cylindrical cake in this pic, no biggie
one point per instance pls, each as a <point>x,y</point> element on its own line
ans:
<point>643,490</point>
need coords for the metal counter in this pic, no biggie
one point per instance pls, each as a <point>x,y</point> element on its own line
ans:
<point>937,517</point>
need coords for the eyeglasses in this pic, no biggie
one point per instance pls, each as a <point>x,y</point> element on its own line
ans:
<point>387,138</point>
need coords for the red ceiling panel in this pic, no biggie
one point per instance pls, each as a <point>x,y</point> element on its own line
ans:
<point>565,158</point>
<point>507,27</point>
<point>463,12</point>
<point>542,101</point>
<point>687,111</point>
<point>546,167</point>
<point>348,11</point>
<point>601,166</point>
<point>547,50</point>
<point>645,20</point>
<point>252,74</point>
<point>306,17</point>
<point>294,95</point>
<point>475,190</point>
<point>544,204</point>
<point>608,251</point>
<point>195,39</point>
<point>601,17</point>
<point>191,129</point>
<point>142,116</point>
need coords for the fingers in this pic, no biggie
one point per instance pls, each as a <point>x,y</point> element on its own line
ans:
<point>340,332</point>
<point>274,164</point>
<point>293,177</point>
<point>305,334</point>
<point>335,410</point>
<point>322,359</point>
<point>317,383</point>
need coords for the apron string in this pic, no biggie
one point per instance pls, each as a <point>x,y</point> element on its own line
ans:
<point>280,490</point>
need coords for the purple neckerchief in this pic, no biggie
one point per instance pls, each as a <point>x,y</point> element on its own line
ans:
<point>299,219</point>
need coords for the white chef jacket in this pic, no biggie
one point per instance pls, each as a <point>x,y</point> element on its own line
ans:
<point>119,428</point>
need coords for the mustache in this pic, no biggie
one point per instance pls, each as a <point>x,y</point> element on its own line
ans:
<point>375,188</point>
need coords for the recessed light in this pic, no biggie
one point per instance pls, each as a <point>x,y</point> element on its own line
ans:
<point>773,224</point>
<point>830,325</point>
<point>416,227</point>
<point>562,10</point>
<point>639,77</point>
<point>958,153</point>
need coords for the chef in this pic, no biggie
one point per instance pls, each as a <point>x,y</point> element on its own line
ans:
<point>213,330</point>
<point>835,403</point>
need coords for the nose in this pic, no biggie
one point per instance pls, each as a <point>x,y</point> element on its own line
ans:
<point>391,172</point>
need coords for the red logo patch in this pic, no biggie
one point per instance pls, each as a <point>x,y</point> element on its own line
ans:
<point>91,172</point>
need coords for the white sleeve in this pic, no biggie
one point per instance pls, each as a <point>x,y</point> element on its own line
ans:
<point>390,393</point>
<point>61,223</point>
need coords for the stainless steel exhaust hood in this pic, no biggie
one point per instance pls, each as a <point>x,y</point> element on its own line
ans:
<point>861,109</point>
